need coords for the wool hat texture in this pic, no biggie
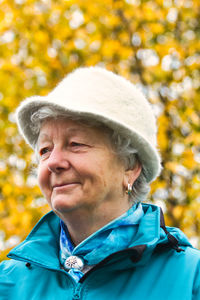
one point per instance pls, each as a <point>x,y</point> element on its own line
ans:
<point>94,92</point>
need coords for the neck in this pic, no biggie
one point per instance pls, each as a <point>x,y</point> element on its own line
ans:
<point>81,223</point>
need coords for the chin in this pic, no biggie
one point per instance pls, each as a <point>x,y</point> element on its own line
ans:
<point>65,205</point>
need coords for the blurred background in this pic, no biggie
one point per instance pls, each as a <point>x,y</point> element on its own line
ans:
<point>155,44</point>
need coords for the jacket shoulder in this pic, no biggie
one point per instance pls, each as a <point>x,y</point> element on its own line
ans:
<point>193,253</point>
<point>10,269</point>
<point>193,256</point>
<point>7,281</point>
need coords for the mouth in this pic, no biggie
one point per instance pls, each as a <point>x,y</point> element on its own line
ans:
<point>64,185</point>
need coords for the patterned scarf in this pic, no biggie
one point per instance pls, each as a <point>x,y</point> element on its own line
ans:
<point>114,236</point>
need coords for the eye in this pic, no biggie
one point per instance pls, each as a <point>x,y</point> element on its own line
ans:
<point>43,151</point>
<point>76,144</point>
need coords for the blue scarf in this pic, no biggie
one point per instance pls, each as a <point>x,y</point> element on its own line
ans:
<point>114,236</point>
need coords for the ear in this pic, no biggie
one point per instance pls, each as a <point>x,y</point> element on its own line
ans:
<point>131,175</point>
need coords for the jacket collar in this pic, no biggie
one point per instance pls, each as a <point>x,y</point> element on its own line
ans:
<point>41,246</point>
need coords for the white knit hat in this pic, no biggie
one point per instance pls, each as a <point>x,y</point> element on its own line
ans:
<point>104,96</point>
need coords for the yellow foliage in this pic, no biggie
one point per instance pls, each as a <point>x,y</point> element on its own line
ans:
<point>157,28</point>
<point>171,166</point>
<point>178,211</point>
<point>188,159</point>
<point>162,137</point>
<point>7,190</point>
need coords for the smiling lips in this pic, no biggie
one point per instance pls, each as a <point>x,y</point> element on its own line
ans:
<point>64,185</point>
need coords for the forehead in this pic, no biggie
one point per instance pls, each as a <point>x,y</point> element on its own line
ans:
<point>62,127</point>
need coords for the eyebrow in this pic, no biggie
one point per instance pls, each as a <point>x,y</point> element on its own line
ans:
<point>69,130</point>
<point>43,135</point>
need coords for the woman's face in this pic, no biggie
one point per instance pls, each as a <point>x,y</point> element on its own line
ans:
<point>77,167</point>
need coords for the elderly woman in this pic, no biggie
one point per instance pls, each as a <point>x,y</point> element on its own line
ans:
<point>95,139</point>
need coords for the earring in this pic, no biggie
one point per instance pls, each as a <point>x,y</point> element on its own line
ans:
<point>129,189</point>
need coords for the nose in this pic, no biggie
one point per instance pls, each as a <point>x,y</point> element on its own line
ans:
<point>57,161</point>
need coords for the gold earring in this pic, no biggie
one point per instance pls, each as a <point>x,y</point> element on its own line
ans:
<point>129,189</point>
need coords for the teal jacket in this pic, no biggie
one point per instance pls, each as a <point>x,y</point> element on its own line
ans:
<point>160,264</point>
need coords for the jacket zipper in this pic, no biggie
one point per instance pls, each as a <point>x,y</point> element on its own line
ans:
<point>77,292</point>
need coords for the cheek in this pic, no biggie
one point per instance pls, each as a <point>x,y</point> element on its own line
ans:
<point>114,172</point>
<point>92,175</point>
<point>42,177</point>
<point>103,174</point>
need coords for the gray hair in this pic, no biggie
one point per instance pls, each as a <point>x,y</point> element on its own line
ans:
<point>121,145</point>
